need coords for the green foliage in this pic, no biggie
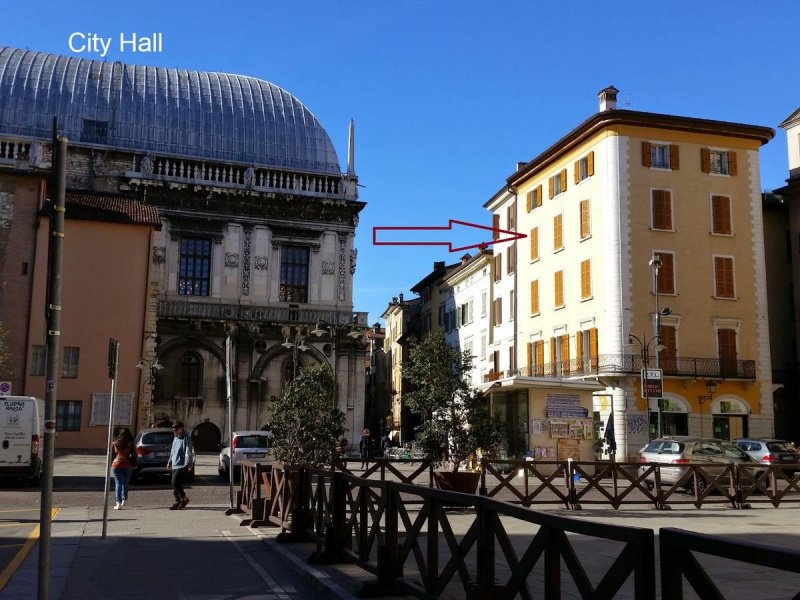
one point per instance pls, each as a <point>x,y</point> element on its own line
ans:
<point>305,422</point>
<point>456,419</point>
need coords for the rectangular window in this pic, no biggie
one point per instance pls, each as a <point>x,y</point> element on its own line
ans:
<point>484,300</point>
<point>483,345</point>
<point>726,342</point>
<point>660,156</point>
<point>194,274</point>
<point>661,203</point>
<point>586,279</point>
<point>721,215</point>
<point>511,216</point>
<point>533,199</point>
<point>535,244</point>
<point>498,311</point>
<point>68,415</point>
<point>586,228</point>
<point>511,259</point>
<point>495,227</point>
<point>294,273</point>
<point>557,183</point>
<point>512,305</point>
<point>559,289</point>
<point>498,267</point>
<point>720,162</point>
<point>511,357</point>
<point>536,358</point>
<point>667,356</point>
<point>70,366</point>
<point>558,233</point>
<point>38,359</point>
<point>583,168</point>
<point>723,277</point>
<point>441,315</point>
<point>666,274</point>
<point>535,297</point>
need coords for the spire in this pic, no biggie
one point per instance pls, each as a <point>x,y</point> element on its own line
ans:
<point>351,150</point>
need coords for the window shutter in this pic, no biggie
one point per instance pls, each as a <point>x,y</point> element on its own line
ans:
<point>563,180</point>
<point>705,160</point>
<point>723,275</point>
<point>674,157</point>
<point>529,201</point>
<point>666,274</point>
<point>564,354</point>
<point>550,187</point>
<point>732,168</point>
<point>646,154</point>
<point>593,351</point>
<point>535,243</point>
<point>576,172</point>
<point>558,237</point>
<point>535,297</point>
<point>495,226</point>
<point>579,346</point>
<point>662,209</point>
<point>499,311</point>
<point>584,207</point>
<point>559,285</point>
<point>586,279</point>
<point>539,195</point>
<point>552,351</point>
<point>530,358</point>
<point>590,159</point>
<point>720,214</point>
<point>540,358</point>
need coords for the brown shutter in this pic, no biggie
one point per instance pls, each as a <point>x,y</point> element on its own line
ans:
<point>586,279</point>
<point>732,167</point>
<point>565,354</point>
<point>723,275</point>
<point>662,209</point>
<point>558,232</point>
<point>674,157</point>
<point>530,358</point>
<point>540,358</point>
<point>550,187</point>
<point>646,154</point>
<point>529,201</point>
<point>552,351</point>
<point>495,226</point>
<point>576,172</point>
<point>563,180</point>
<point>720,214</point>
<point>559,291</point>
<point>666,274</point>
<point>584,208</point>
<point>705,160</point>
<point>579,346</point>
<point>593,346</point>
<point>539,195</point>
<point>534,297</point>
<point>535,243</point>
<point>499,311</point>
<point>590,159</point>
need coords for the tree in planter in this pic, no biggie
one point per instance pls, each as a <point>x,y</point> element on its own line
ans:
<point>456,419</point>
<point>305,422</point>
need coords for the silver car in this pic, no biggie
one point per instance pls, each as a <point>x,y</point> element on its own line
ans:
<point>771,452</point>
<point>247,445</point>
<point>676,451</point>
<point>153,447</point>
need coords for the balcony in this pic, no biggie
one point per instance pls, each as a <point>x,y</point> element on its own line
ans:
<point>632,364</point>
<point>260,314</point>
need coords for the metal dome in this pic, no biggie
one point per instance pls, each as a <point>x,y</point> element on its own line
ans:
<point>155,109</point>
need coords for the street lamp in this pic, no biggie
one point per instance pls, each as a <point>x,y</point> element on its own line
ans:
<point>711,387</point>
<point>332,329</point>
<point>644,346</point>
<point>296,346</point>
<point>152,366</point>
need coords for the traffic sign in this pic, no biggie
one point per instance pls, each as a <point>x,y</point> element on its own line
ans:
<point>652,383</point>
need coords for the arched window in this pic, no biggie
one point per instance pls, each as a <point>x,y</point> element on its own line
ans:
<point>190,375</point>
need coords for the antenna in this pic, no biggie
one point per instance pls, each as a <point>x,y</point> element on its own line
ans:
<point>628,101</point>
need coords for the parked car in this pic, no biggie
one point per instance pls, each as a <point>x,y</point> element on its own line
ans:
<point>770,451</point>
<point>247,445</point>
<point>152,450</point>
<point>677,451</point>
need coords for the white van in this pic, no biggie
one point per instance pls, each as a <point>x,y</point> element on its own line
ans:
<point>20,437</point>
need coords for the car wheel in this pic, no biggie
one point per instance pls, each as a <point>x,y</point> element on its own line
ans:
<point>222,474</point>
<point>702,484</point>
<point>650,485</point>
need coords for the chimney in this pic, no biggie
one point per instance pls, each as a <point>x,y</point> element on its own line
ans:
<point>465,258</point>
<point>438,265</point>
<point>520,164</point>
<point>608,98</point>
<point>401,297</point>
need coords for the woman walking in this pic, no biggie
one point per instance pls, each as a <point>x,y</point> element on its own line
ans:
<point>124,453</point>
<point>365,449</point>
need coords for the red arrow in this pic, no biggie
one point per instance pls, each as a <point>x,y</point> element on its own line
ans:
<point>511,236</point>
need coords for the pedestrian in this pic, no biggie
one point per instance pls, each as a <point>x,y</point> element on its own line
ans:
<point>181,461</point>
<point>386,443</point>
<point>123,454</point>
<point>365,449</point>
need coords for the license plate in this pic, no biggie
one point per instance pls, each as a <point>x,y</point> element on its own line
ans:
<point>161,454</point>
<point>256,455</point>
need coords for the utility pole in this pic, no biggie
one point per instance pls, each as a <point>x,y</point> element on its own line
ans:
<point>53,316</point>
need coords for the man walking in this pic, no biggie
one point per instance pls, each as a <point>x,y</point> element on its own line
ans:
<point>181,461</point>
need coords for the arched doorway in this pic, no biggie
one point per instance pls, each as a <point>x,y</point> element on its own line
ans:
<point>206,437</point>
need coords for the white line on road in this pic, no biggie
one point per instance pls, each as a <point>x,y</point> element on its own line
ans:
<point>273,585</point>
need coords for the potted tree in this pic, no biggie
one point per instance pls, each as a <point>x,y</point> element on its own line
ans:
<point>456,420</point>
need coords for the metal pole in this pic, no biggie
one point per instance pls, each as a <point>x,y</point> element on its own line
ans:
<point>53,315</point>
<point>659,401</point>
<point>113,359</point>
<point>229,400</point>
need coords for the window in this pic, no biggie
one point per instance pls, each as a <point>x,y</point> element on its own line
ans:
<point>533,199</point>
<point>464,315</point>
<point>511,359</point>
<point>586,348</point>
<point>666,274</point>
<point>511,259</point>
<point>484,300</point>
<point>495,227</point>
<point>559,353</point>
<point>557,183</point>
<point>660,156</point>
<point>558,233</point>
<point>38,359</point>
<point>721,215</point>
<point>723,277</point>
<point>441,315</point>
<point>667,356</point>
<point>583,168</point>
<point>661,208</point>
<point>535,244</point>
<point>726,342</point>
<point>536,358</point>
<point>68,415</point>
<point>498,267</point>
<point>535,297</point>
<point>195,267</point>
<point>468,347</point>
<point>586,280</point>
<point>190,375</point>
<point>483,344</point>
<point>498,311</point>
<point>70,366</point>
<point>510,216</point>
<point>94,132</point>
<point>512,305</point>
<point>719,162</point>
<point>586,228</point>
<point>294,274</point>
<point>559,289</point>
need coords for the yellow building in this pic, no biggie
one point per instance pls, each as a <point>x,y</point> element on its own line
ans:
<point>402,321</point>
<point>621,194</point>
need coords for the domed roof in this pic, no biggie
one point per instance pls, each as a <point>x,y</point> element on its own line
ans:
<point>155,109</point>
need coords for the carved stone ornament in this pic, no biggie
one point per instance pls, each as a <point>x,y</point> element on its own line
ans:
<point>147,165</point>
<point>353,257</point>
<point>159,254</point>
<point>262,263</point>
<point>328,267</point>
<point>231,259</point>
<point>249,177</point>
<point>35,155</point>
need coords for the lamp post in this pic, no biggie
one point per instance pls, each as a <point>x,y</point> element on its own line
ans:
<point>332,329</point>
<point>152,366</point>
<point>711,387</point>
<point>655,264</point>
<point>644,346</point>
<point>296,346</point>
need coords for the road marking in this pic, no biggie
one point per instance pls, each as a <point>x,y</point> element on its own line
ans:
<point>11,545</point>
<point>12,566</point>
<point>279,591</point>
<point>18,523</point>
<point>10,510</point>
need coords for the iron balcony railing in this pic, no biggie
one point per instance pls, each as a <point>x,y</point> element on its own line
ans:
<point>632,364</point>
<point>260,314</point>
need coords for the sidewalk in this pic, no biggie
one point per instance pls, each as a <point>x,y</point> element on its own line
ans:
<point>159,554</point>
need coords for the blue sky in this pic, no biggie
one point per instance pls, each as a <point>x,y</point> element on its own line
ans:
<point>448,95</point>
